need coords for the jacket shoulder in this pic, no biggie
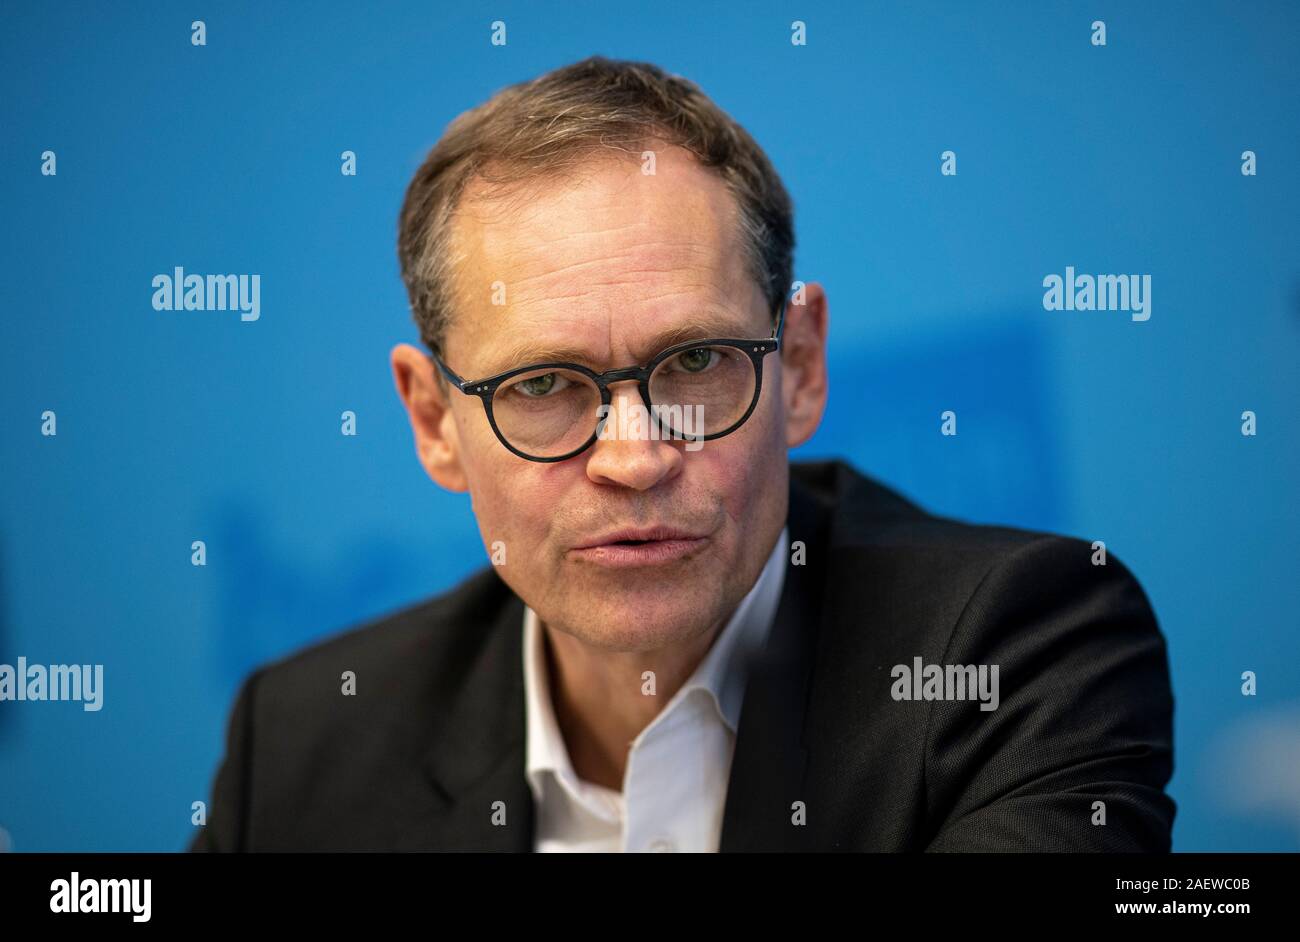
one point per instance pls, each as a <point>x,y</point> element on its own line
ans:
<point>439,625</point>
<point>888,554</point>
<point>399,666</point>
<point>324,745</point>
<point>868,515</point>
<point>1084,710</point>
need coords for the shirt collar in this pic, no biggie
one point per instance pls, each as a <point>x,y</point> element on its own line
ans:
<point>720,674</point>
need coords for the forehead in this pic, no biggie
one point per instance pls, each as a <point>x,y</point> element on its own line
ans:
<point>598,260</point>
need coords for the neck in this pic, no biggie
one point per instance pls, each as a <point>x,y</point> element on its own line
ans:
<point>599,701</point>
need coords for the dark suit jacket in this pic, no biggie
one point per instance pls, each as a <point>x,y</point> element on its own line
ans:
<point>435,734</point>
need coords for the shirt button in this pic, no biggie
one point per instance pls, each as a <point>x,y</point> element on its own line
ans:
<point>662,845</point>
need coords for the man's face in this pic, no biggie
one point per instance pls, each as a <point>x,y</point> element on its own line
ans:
<point>606,269</point>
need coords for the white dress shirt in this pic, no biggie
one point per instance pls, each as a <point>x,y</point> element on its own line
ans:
<point>675,781</point>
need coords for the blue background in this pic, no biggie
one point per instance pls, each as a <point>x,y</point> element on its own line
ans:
<point>177,426</point>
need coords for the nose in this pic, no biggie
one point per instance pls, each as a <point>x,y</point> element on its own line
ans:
<point>626,454</point>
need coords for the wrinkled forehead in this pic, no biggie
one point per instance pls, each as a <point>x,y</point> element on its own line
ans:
<point>600,260</point>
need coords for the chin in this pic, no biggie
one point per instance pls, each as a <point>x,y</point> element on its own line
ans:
<point>637,624</point>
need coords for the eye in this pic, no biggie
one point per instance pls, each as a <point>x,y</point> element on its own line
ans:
<point>697,360</point>
<point>536,387</point>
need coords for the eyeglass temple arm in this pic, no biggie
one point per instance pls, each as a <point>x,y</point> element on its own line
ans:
<point>446,371</point>
<point>780,322</point>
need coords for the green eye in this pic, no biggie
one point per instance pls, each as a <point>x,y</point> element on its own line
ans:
<point>538,385</point>
<point>697,360</point>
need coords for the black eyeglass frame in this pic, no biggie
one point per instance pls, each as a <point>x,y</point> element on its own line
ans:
<point>757,350</point>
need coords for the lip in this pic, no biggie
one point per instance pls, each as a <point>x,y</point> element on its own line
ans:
<point>661,545</point>
<point>644,534</point>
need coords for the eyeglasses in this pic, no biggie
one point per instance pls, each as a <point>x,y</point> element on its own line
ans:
<point>698,390</point>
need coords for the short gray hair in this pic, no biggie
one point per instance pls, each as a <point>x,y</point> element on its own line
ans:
<point>551,123</point>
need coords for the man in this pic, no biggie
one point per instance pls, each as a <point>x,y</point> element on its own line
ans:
<point>683,642</point>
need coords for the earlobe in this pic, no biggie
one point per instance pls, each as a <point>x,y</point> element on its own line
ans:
<point>437,444</point>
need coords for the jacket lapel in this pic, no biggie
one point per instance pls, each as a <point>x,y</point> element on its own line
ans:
<point>767,769</point>
<point>475,763</point>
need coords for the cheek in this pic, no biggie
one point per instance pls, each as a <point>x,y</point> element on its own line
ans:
<point>480,454</point>
<point>476,452</point>
<point>735,472</point>
<point>754,448</point>
<point>513,500</point>
<point>469,423</point>
<point>771,409</point>
<point>748,482</point>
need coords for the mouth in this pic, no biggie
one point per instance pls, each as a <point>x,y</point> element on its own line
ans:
<point>654,546</point>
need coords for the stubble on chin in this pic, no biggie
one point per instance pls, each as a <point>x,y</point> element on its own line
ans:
<point>640,612</point>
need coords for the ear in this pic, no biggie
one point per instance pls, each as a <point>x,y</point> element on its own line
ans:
<point>437,444</point>
<point>803,364</point>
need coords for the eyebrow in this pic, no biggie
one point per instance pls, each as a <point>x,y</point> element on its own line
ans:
<point>526,352</point>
